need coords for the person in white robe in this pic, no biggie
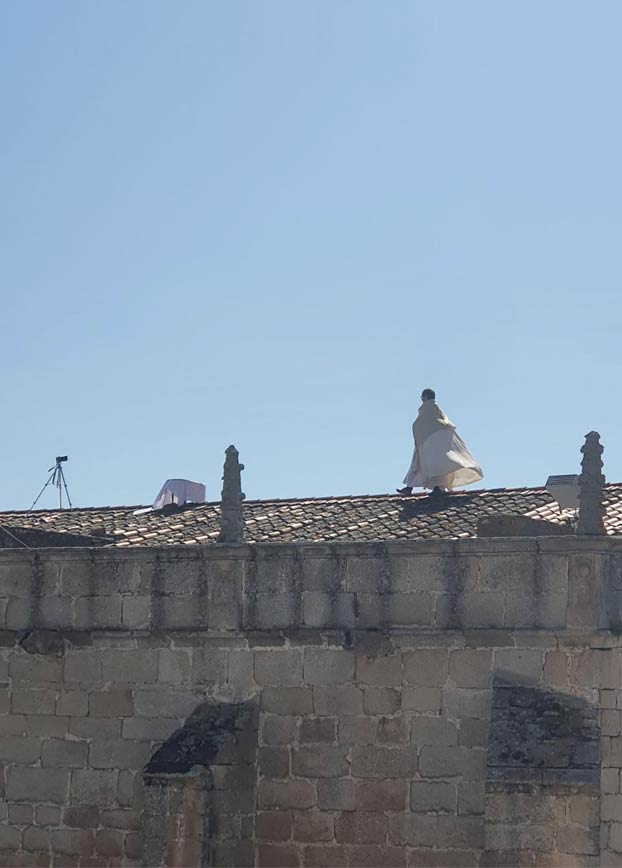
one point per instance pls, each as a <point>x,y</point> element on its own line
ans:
<point>441,460</point>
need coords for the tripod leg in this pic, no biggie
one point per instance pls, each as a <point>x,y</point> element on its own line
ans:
<point>62,476</point>
<point>41,492</point>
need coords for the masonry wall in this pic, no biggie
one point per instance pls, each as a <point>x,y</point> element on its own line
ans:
<point>408,704</point>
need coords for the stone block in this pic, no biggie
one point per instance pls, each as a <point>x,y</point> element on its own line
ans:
<point>383,762</point>
<point>86,817</point>
<point>118,754</point>
<point>337,700</point>
<point>165,702</point>
<point>610,781</point>
<point>109,843</point>
<point>521,663</point>
<point>470,668</point>
<point>37,701</point>
<point>36,785</point>
<point>584,810</point>
<point>433,796</point>
<point>585,580</point>
<point>335,794</point>
<point>74,703</point>
<point>136,666</point>
<point>17,749</point>
<point>433,730</point>
<point>35,670</point>
<point>425,700</point>
<point>209,666</point>
<point>379,671</point>
<point>91,787</point>
<point>275,856</point>
<point>64,754</point>
<point>97,613</point>
<point>35,839</point>
<point>596,668</point>
<point>10,839</point>
<point>19,614</point>
<point>611,808</point>
<point>276,612</point>
<point>312,826</point>
<point>276,730</point>
<point>556,668</point>
<point>289,795</point>
<point>83,667</point>
<point>47,815</point>
<point>278,667</point>
<point>53,612</point>
<point>74,842</point>
<point>335,610</point>
<point>441,762</point>
<point>319,761</point>
<point>461,702</point>
<point>121,819</point>
<point>273,826</point>
<point>610,722</point>
<point>483,609</point>
<point>240,674</point>
<point>174,666</point>
<point>393,730</point>
<point>471,797</point>
<point>413,830</point>
<point>354,827</point>
<point>136,612</point>
<point>426,667</point>
<point>357,730</point>
<point>473,733</point>
<point>328,666</point>
<point>147,728</point>
<point>458,832</point>
<point>325,573</point>
<point>324,856</point>
<point>411,610</point>
<point>93,727</point>
<point>116,702</point>
<point>287,700</point>
<point>381,796</point>
<point>528,836</point>
<point>20,815</point>
<point>615,838</point>
<point>317,730</point>
<point>273,762</point>
<point>373,855</point>
<point>381,700</point>
<point>368,575</point>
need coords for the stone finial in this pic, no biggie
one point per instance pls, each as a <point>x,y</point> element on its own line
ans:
<point>591,481</point>
<point>231,517</point>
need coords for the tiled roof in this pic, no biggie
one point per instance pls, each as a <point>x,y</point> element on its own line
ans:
<point>323,519</point>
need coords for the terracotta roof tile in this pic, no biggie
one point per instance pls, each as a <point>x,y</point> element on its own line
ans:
<point>358,518</point>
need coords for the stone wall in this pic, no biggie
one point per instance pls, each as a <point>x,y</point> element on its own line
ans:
<point>401,704</point>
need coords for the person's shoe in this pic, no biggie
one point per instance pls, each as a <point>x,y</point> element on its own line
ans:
<point>407,490</point>
<point>436,491</point>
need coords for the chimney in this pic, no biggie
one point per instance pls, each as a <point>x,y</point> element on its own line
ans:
<point>231,517</point>
<point>591,482</point>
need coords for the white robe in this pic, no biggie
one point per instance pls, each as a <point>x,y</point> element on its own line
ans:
<point>441,458</point>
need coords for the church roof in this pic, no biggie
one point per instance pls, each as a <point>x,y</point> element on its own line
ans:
<point>356,518</point>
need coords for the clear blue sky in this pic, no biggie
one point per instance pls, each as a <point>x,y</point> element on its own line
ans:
<point>272,223</point>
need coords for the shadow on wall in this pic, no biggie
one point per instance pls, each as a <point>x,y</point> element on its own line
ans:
<point>543,776</point>
<point>200,789</point>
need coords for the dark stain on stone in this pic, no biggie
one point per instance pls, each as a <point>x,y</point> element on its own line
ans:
<point>48,642</point>
<point>532,730</point>
<point>198,741</point>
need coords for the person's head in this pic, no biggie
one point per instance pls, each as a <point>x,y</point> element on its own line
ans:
<point>428,395</point>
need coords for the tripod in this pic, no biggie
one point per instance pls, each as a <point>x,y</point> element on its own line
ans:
<point>57,478</point>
